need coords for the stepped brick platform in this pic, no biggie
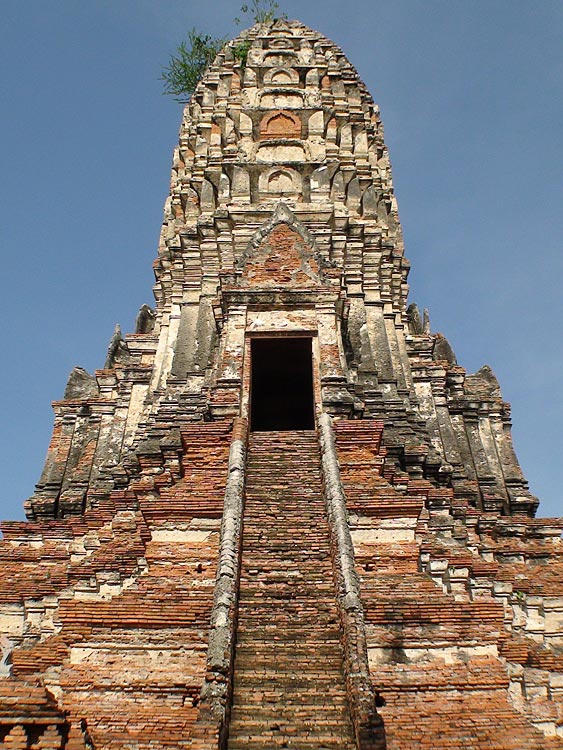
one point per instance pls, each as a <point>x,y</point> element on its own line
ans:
<point>289,688</point>
<point>438,650</point>
<point>129,601</point>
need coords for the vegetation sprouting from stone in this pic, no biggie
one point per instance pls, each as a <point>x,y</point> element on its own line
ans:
<point>240,52</point>
<point>187,65</point>
<point>262,11</point>
<point>189,62</point>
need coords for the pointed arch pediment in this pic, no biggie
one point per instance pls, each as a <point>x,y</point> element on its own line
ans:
<point>281,123</point>
<point>282,253</point>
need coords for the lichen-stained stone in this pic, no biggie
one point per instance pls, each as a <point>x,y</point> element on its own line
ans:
<point>378,582</point>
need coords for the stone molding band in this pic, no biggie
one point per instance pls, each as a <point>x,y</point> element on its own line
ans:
<point>368,725</point>
<point>211,728</point>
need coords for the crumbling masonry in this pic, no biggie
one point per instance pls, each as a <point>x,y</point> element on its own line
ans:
<point>281,515</point>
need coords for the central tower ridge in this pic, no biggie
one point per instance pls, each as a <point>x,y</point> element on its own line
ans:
<point>282,204</point>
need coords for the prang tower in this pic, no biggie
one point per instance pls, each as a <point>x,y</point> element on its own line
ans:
<point>281,515</point>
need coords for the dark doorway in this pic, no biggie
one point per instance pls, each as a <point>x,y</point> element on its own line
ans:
<point>282,384</point>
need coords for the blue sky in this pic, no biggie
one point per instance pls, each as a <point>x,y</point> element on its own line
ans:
<point>471,98</point>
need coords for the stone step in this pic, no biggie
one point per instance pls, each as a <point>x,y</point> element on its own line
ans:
<point>265,740</point>
<point>298,571</point>
<point>287,599</point>
<point>270,606</point>
<point>267,556</point>
<point>264,624</point>
<point>296,633</point>
<point>289,650</point>
<point>296,719</point>
<point>266,501</point>
<point>261,618</point>
<point>306,529</point>
<point>310,735</point>
<point>297,580</point>
<point>268,635</point>
<point>260,593</point>
<point>258,535</point>
<point>272,743</point>
<point>305,524</point>
<point>261,584</point>
<point>280,676</point>
<point>275,474</point>
<point>267,505</point>
<point>284,611</point>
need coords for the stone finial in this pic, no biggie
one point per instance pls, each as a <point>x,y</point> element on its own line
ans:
<point>415,321</point>
<point>81,385</point>
<point>484,382</point>
<point>118,352</point>
<point>145,320</point>
<point>443,350</point>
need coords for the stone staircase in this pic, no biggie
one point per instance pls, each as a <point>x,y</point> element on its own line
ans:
<point>289,686</point>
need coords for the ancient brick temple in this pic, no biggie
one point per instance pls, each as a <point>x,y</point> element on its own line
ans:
<point>281,515</point>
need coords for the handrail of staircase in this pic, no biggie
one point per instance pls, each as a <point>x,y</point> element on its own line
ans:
<point>368,724</point>
<point>211,728</point>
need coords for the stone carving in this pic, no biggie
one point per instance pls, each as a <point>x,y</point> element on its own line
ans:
<point>292,151</point>
<point>284,216</point>
<point>281,182</point>
<point>281,77</point>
